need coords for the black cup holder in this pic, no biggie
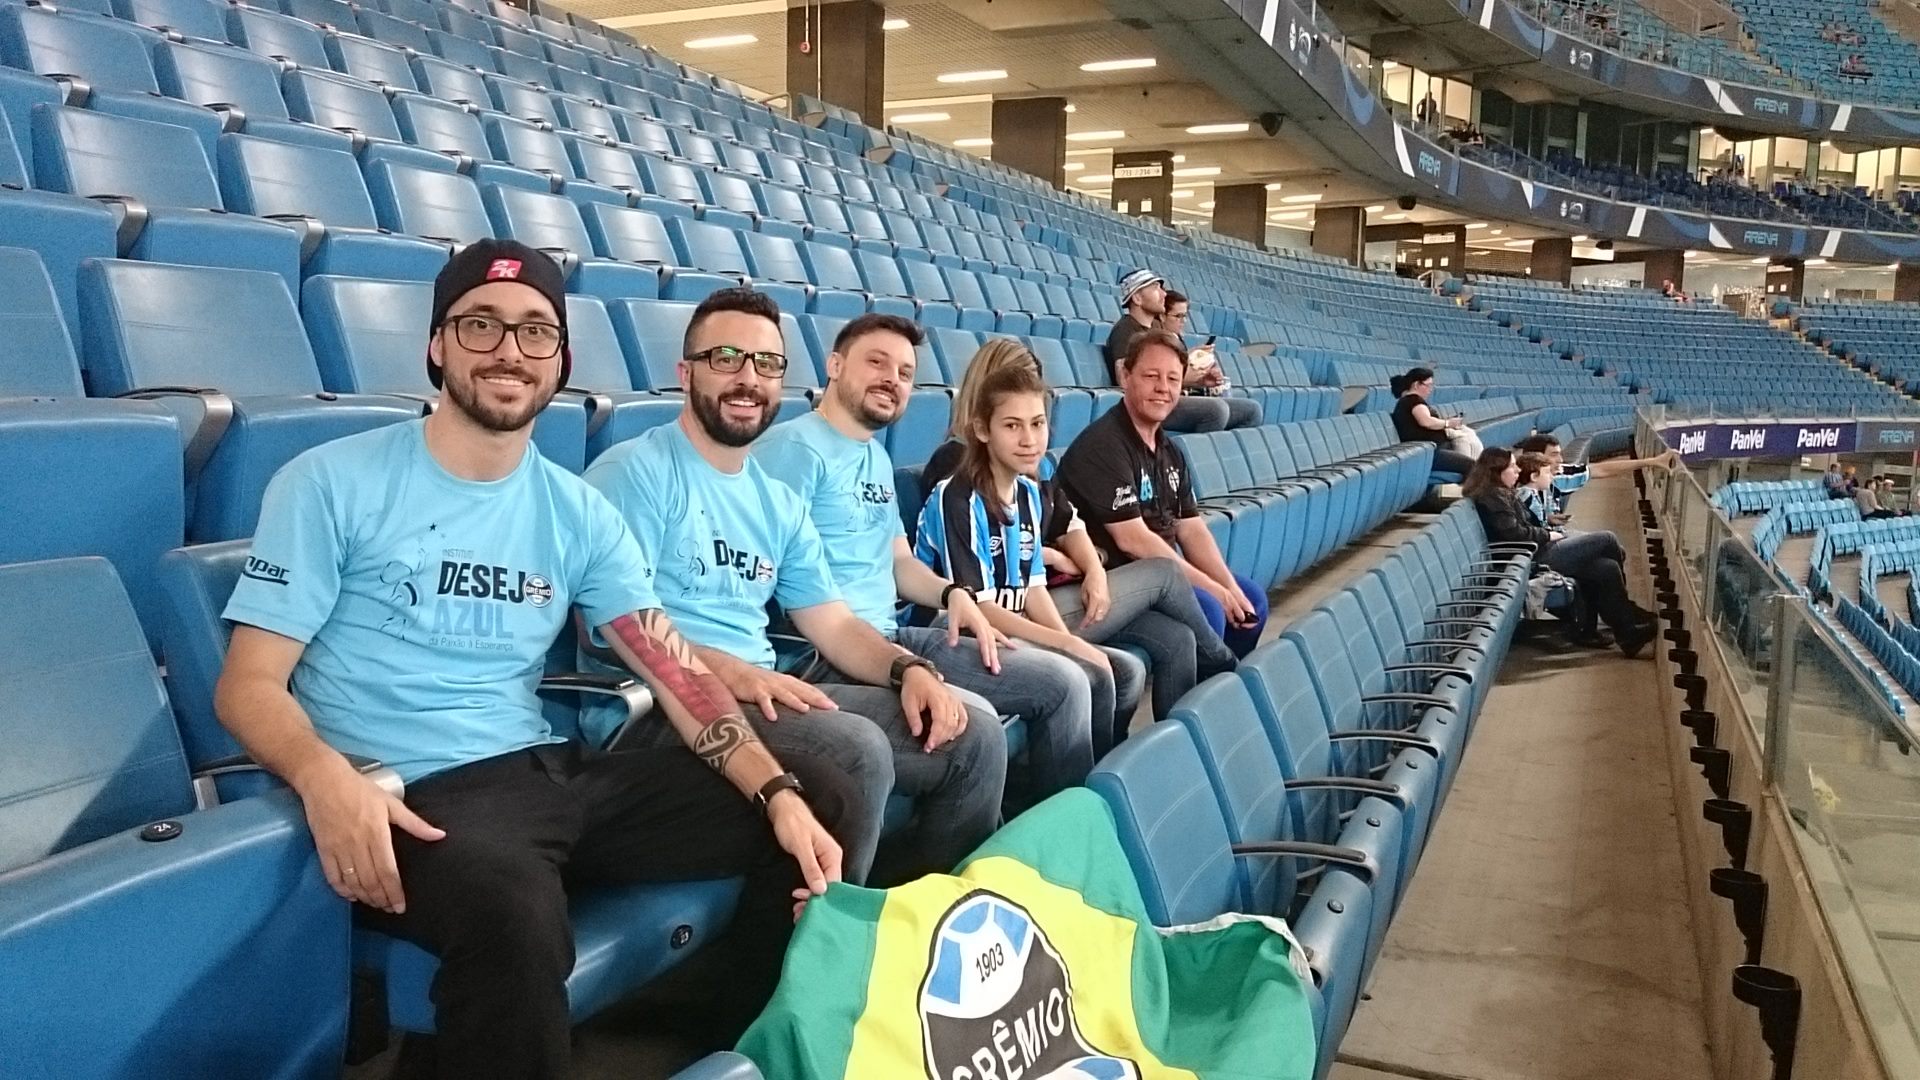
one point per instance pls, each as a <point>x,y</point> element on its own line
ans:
<point>1705,724</point>
<point>1748,891</point>
<point>1734,818</point>
<point>1695,687</point>
<point>1714,766</point>
<point>1776,995</point>
<point>1679,635</point>
<point>1686,660</point>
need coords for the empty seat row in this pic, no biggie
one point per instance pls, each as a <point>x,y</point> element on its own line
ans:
<point>1306,785</point>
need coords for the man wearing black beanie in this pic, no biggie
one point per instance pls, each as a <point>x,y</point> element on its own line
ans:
<point>398,604</point>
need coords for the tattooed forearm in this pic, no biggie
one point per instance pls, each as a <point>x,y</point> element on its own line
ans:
<point>718,741</point>
<point>663,654</point>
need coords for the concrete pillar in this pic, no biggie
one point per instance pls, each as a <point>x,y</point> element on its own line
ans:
<point>1670,265</point>
<point>1457,252</point>
<point>1143,183</point>
<point>1906,282</point>
<point>1030,134</point>
<point>1787,278</point>
<point>1240,211</point>
<point>1552,259</point>
<point>841,56</point>
<point>1340,231</point>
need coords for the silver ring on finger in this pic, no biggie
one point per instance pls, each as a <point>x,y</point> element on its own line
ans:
<point>347,871</point>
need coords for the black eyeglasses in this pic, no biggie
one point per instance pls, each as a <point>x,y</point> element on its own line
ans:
<point>726,360</point>
<point>484,333</point>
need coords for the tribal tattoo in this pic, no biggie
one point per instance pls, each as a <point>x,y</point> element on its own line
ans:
<point>660,649</point>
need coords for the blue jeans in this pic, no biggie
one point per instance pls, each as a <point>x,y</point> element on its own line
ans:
<point>956,788</point>
<point>1241,639</point>
<point>1051,692</point>
<point>1152,608</point>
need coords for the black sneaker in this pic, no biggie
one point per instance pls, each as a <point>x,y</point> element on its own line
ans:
<point>1631,643</point>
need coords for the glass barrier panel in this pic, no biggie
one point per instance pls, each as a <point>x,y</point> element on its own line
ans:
<point>1848,776</point>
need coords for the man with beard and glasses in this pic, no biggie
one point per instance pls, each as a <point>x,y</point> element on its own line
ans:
<point>845,478</point>
<point>724,539</point>
<point>333,659</point>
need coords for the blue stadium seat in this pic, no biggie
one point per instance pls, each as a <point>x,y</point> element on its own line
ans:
<point>276,36</point>
<point>203,19</point>
<point>93,758</point>
<point>165,170</point>
<point>243,87</point>
<point>441,206</point>
<point>370,61</point>
<point>552,223</point>
<point>1177,842</point>
<point>155,325</point>
<point>322,192</point>
<point>111,57</point>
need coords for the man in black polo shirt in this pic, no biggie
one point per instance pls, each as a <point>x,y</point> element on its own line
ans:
<point>1133,485</point>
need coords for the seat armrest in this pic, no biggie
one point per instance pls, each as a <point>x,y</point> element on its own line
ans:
<point>1393,738</point>
<point>183,947</point>
<point>1325,853</point>
<point>216,415</point>
<point>599,407</point>
<point>242,765</point>
<point>1475,647</point>
<point>1436,669</point>
<point>1393,793</point>
<point>1433,700</point>
<point>635,694</point>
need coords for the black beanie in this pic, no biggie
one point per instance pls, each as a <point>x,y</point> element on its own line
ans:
<point>486,261</point>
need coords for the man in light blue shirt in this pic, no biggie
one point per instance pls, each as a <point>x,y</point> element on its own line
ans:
<point>725,539</point>
<point>399,601</point>
<point>833,461</point>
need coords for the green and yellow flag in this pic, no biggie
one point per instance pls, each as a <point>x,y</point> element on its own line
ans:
<point>1035,959</point>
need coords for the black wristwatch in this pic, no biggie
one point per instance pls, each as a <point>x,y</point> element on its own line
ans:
<point>786,781</point>
<point>897,674</point>
<point>946,594</point>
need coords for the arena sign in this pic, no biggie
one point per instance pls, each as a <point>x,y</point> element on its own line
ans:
<point>1741,439</point>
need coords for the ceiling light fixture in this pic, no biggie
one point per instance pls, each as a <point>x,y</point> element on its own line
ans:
<point>1394,217</point>
<point>1183,193</point>
<point>921,117</point>
<point>1273,187</point>
<point>1581,239</point>
<point>965,144</point>
<point>1071,107</point>
<point>1313,198</point>
<point>1074,166</point>
<point>1389,65</point>
<point>1477,225</point>
<point>1293,215</point>
<point>1179,159</point>
<point>1095,136</point>
<point>1376,209</point>
<point>1219,129</point>
<point>1121,65</point>
<point>970,76</point>
<point>721,42</point>
<point>1208,205</point>
<point>1102,179</point>
<point>1197,170</point>
<point>894,24</point>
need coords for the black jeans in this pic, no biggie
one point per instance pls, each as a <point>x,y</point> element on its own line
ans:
<point>490,899</point>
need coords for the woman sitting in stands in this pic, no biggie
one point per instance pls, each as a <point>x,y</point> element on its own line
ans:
<point>1147,604</point>
<point>982,528</point>
<point>1455,444</point>
<point>1595,560</point>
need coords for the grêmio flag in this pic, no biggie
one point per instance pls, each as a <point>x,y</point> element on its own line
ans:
<point>1033,960</point>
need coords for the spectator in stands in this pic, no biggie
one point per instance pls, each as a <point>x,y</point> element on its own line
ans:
<point>1851,475</point>
<point>1568,479</point>
<point>1146,604</point>
<point>399,600</point>
<point>1428,111</point>
<point>1134,484</point>
<point>1595,561</point>
<point>845,478</point>
<point>1835,482</point>
<point>1143,302</point>
<point>985,527</point>
<point>725,539</point>
<point>1204,375</point>
<point>1868,499</point>
<point>1455,444</point>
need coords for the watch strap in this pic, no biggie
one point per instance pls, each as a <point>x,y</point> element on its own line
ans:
<point>786,781</point>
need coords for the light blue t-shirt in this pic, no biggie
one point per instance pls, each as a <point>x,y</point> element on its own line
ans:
<point>721,544</point>
<point>847,487</point>
<point>427,603</point>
